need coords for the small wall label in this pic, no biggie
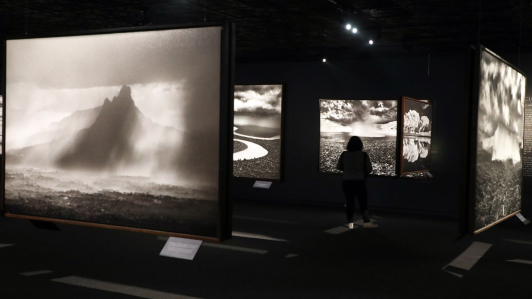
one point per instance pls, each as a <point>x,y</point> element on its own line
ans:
<point>262,184</point>
<point>181,248</point>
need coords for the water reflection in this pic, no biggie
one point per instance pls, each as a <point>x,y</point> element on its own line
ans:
<point>415,148</point>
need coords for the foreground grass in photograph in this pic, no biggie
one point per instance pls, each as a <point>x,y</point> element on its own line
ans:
<point>48,194</point>
<point>382,152</point>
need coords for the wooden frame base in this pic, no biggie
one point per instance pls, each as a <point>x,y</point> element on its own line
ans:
<point>116,227</point>
<point>496,222</point>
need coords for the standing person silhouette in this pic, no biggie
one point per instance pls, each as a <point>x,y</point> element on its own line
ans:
<point>356,166</point>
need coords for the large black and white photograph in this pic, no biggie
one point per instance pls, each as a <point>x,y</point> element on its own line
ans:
<point>417,132</point>
<point>257,131</point>
<point>499,141</point>
<point>375,122</point>
<point>119,129</point>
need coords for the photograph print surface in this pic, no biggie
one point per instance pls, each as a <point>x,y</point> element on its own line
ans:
<point>118,129</point>
<point>257,131</point>
<point>417,132</point>
<point>499,141</point>
<point>375,122</point>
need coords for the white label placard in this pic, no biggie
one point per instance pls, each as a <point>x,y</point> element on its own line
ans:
<point>181,248</point>
<point>262,184</point>
<point>522,218</point>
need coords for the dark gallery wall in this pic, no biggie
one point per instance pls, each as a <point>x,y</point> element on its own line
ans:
<point>444,81</point>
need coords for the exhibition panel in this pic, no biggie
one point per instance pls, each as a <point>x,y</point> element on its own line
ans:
<point>498,117</point>
<point>374,121</point>
<point>416,136</point>
<point>258,131</point>
<point>122,129</point>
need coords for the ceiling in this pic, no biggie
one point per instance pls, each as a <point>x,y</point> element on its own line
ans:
<point>288,30</point>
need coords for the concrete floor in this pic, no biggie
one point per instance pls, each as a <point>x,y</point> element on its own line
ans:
<point>278,251</point>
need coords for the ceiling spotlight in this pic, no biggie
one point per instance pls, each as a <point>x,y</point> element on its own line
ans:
<point>324,60</point>
<point>371,42</point>
<point>354,30</point>
<point>348,26</point>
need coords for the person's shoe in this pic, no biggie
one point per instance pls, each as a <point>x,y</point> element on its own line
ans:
<point>370,225</point>
<point>350,225</point>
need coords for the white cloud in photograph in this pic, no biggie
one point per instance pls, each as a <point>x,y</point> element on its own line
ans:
<point>501,107</point>
<point>265,99</point>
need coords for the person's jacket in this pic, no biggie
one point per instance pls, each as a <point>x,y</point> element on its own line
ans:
<point>355,165</point>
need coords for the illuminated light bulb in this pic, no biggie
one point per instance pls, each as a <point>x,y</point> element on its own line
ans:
<point>348,26</point>
<point>371,42</point>
<point>355,30</point>
<point>324,60</point>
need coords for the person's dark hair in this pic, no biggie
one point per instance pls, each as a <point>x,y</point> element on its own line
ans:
<point>355,144</point>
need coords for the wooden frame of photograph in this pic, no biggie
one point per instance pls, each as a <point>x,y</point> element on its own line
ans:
<point>401,159</point>
<point>473,145</point>
<point>226,79</point>
<point>282,135</point>
<point>396,143</point>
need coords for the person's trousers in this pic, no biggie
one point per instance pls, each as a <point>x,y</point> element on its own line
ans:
<point>352,189</point>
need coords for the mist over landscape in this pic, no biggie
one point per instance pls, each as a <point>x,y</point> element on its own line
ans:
<point>117,128</point>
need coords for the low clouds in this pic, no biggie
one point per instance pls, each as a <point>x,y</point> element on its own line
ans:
<point>350,111</point>
<point>259,99</point>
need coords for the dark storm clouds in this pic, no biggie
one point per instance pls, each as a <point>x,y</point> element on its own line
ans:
<point>359,110</point>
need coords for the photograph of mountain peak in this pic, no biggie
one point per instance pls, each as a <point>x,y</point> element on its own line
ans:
<point>257,131</point>
<point>375,122</point>
<point>98,131</point>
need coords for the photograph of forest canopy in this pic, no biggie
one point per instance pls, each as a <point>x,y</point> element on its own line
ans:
<point>118,129</point>
<point>257,131</point>
<point>417,131</point>
<point>375,122</point>
<point>499,141</point>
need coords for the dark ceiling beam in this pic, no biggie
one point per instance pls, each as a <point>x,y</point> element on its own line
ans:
<point>36,11</point>
<point>443,24</point>
<point>243,20</point>
<point>403,7</point>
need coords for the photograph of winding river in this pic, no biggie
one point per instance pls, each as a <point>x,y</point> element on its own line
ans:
<point>417,132</point>
<point>499,141</point>
<point>375,122</point>
<point>118,129</point>
<point>257,131</point>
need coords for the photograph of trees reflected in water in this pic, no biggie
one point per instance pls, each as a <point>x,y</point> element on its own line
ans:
<point>417,132</point>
